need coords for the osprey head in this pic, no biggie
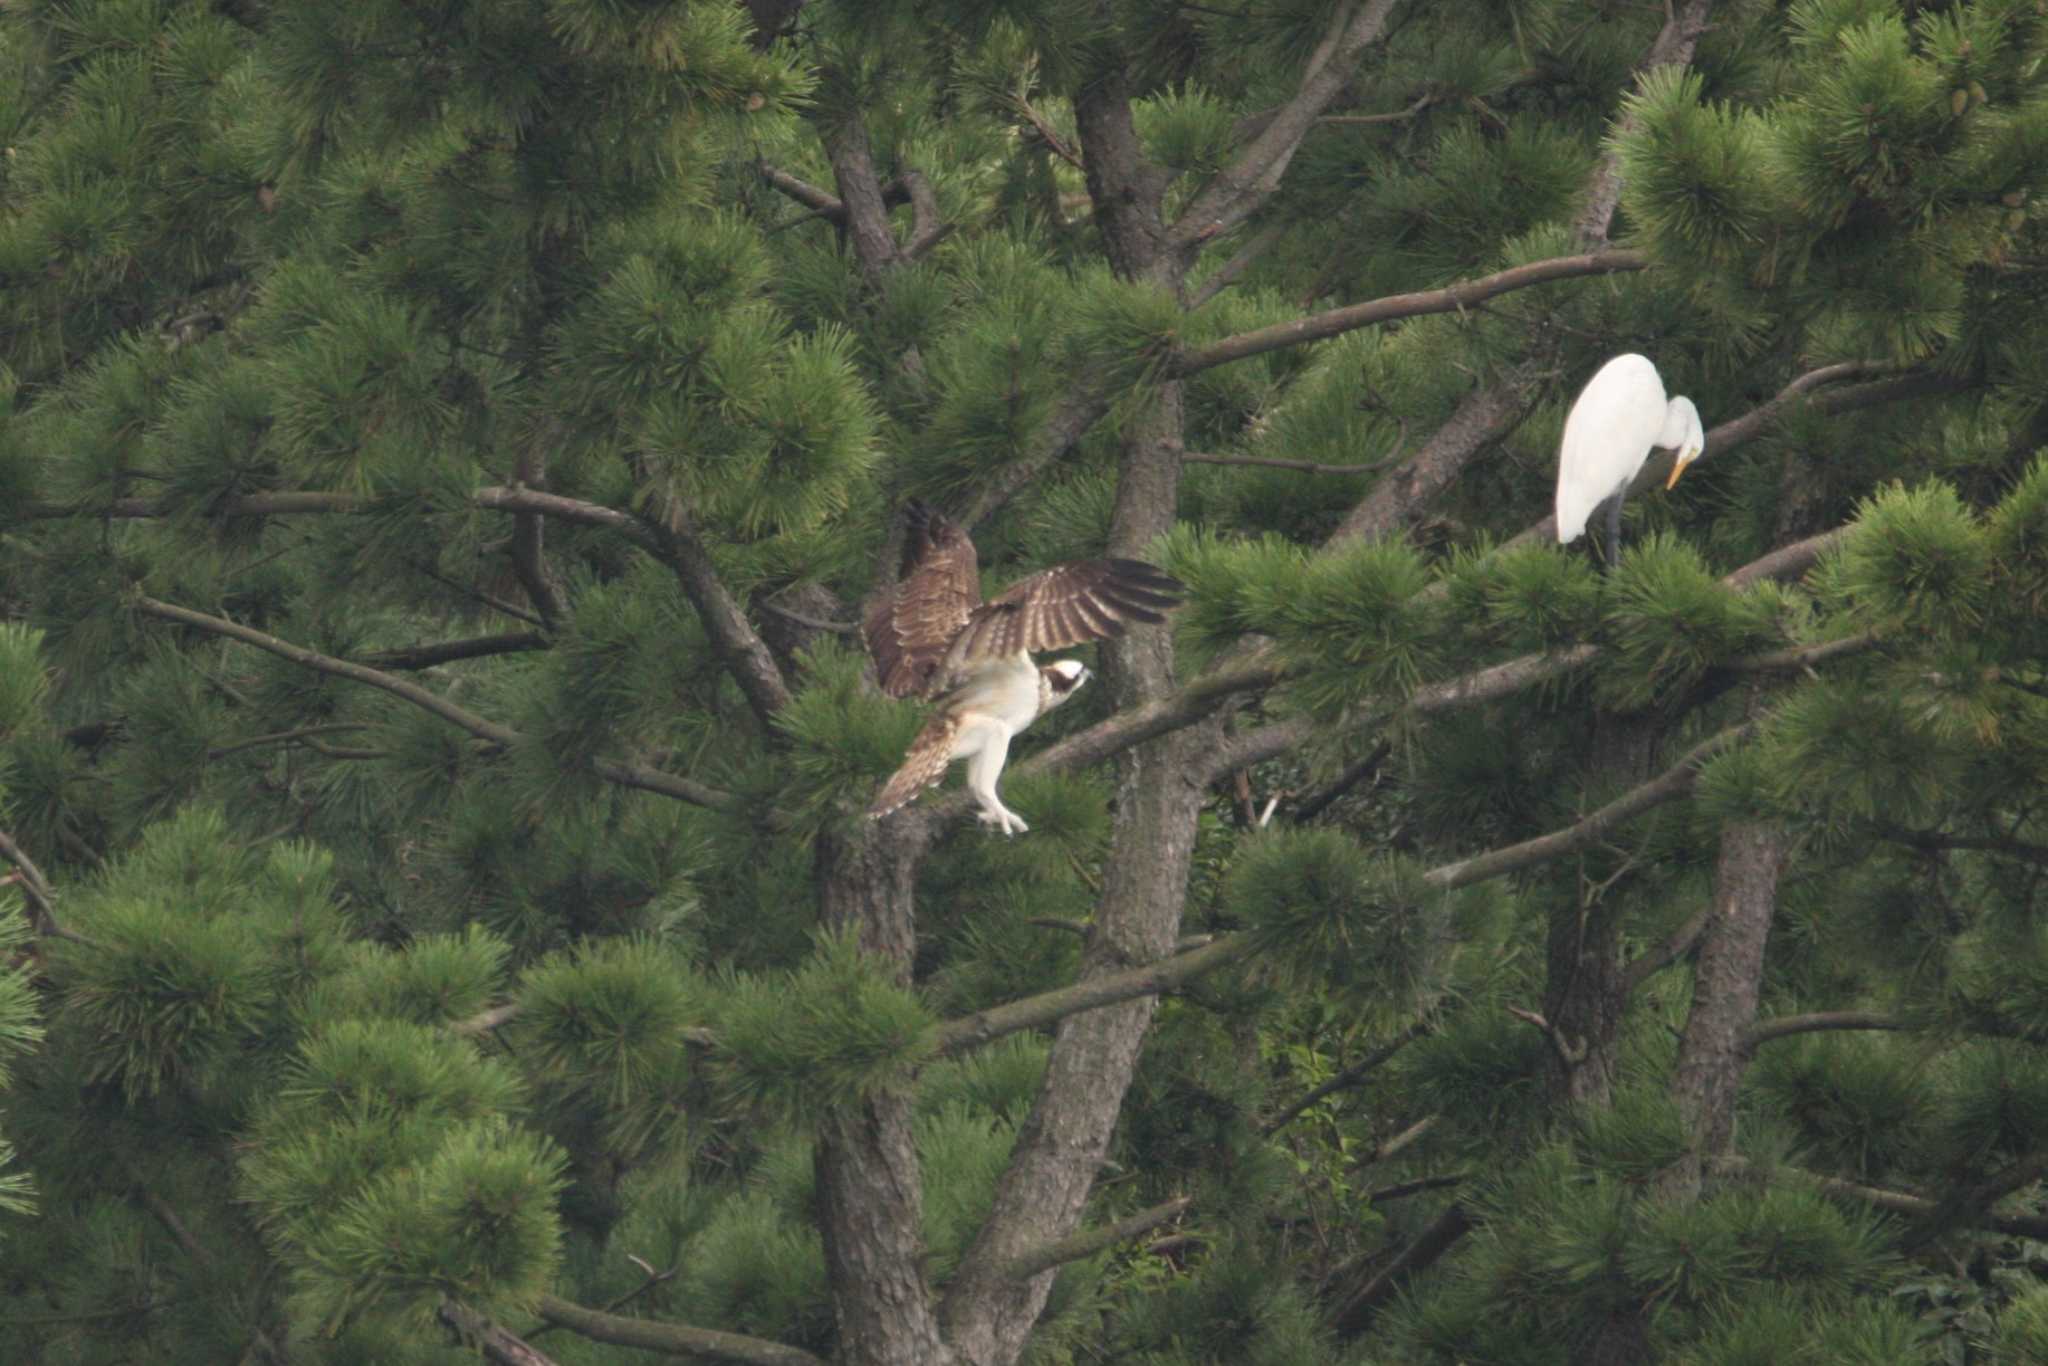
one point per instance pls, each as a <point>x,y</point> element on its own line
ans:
<point>1060,680</point>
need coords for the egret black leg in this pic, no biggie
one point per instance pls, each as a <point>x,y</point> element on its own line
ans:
<point>1614,531</point>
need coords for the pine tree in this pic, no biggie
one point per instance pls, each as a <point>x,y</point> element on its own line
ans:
<point>444,453</point>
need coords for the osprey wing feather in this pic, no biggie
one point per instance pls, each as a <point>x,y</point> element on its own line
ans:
<point>933,635</point>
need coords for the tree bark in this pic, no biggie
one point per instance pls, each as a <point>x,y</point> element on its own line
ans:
<point>1715,1047</point>
<point>870,1187</point>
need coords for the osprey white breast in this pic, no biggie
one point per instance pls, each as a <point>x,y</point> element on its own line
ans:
<point>932,636</point>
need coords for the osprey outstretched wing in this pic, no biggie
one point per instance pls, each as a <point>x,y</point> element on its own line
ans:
<point>932,635</point>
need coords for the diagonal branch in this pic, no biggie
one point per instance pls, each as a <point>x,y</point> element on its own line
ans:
<point>1031,1012</point>
<point>1449,299</point>
<point>312,659</point>
<point>1251,179</point>
<point>985,1026</point>
<point>675,542</point>
<point>1087,1242</point>
<point>1675,782</point>
<point>746,655</point>
<point>1348,1078</point>
<point>449,651</point>
<point>35,888</point>
<point>627,775</point>
<point>672,1339</point>
<point>497,1345</point>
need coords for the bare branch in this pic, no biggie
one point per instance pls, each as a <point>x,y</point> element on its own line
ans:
<point>1784,1026</point>
<point>1449,299</point>
<point>193,1248</point>
<point>449,651</point>
<point>496,1344</point>
<point>1675,782</point>
<point>1304,466</point>
<point>285,737</point>
<point>972,1031</point>
<point>746,655</point>
<point>1485,415</point>
<point>1233,270</point>
<point>1935,840</point>
<point>1089,1241</point>
<point>1407,1138</point>
<point>1348,1078</point>
<point>1241,187</point>
<point>1397,116</point>
<point>35,888</point>
<point>1679,943</point>
<point>1069,422</point>
<point>821,202</point>
<point>340,668</point>
<point>1402,1190</point>
<point>1432,1243</point>
<point>626,775</point>
<point>672,1339</point>
<point>1898,1202</point>
<point>1757,420</point>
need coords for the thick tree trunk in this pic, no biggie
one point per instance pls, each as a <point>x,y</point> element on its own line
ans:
<point>1042,1193</point>
<point>1711,1056</point>
<point>1586,986</point>
<point>870,1191</point>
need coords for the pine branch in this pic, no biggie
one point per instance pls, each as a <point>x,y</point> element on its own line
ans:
<point>1675,782</point>
<point>195,1250</point>
<point>1679,943</point>
<point>1304,466</point>
<point>747,657</point>
<point>1348,1078</point>
<point>285,737</point>
<point>304,502</point>
<point>495,1343</point>
<point>449,651</point>
<point>1231,271</point>
<point>1935,840</point>
<point>820,202</point>
<point>1432,1243</point>
<point>1239,189</point>
<point>1757,420</point>
<point>675,543</point>
<point>1032,1012</point>
<point>35,888</point>
<point>674,1339</point>
<point>1450,299</point>
<point>1088,1241</point>
<point>626,775</point>
<point>1784,1026</point>
<point>1898,1202</point>
<point>1083,405</point>
<point>312,659</point>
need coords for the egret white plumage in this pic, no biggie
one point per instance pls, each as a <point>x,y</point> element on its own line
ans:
<point>1616,419</point>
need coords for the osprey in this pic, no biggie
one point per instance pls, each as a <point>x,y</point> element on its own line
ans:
<point>933,636</point>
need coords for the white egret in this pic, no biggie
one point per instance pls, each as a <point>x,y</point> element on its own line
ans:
<point>1617,418</point>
